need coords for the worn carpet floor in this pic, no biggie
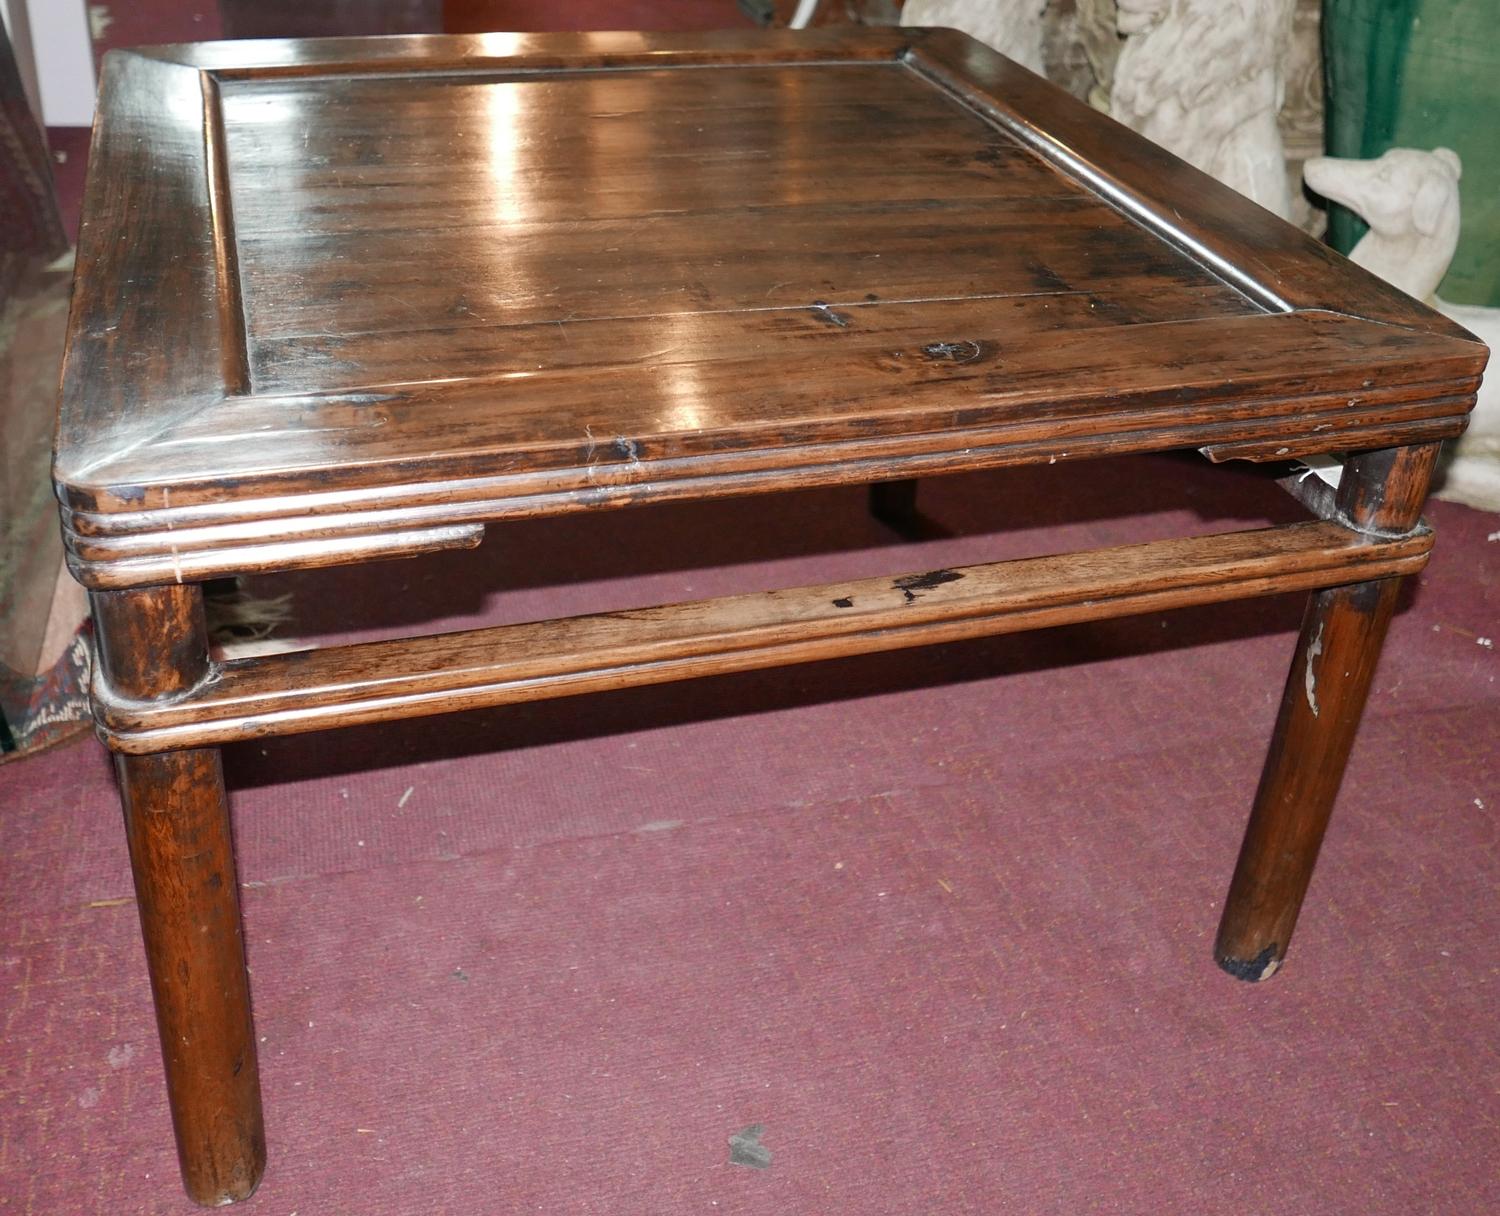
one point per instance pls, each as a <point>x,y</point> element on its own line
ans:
<point>939,921</point>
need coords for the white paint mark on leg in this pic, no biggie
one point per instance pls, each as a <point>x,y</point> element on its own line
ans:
<point>1309,676</point>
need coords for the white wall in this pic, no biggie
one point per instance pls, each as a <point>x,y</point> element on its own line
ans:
<point>18,30</point>
<point>64,60</point>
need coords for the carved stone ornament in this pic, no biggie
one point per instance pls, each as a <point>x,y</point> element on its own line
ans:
<point>1206,79</point>
<point>1012,27</point>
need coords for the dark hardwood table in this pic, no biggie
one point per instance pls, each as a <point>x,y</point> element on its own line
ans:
<point>348,300</point>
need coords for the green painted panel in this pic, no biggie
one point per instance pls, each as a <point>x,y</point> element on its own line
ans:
<point>1422,74</point>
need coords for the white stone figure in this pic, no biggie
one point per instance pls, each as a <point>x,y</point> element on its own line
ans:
<point>1012,27</point>
<point>1204,78</point>
<point>1301,120</point>
<point>1410,200</point>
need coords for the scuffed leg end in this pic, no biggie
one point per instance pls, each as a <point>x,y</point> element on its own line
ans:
<point>1262,967</point>
<point>238,1193</point>
<point>243,1179</point>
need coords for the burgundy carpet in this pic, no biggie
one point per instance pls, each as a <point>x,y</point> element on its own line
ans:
<point>939,921</point>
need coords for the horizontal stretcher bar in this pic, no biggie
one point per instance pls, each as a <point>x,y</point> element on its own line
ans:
<point>380,681</point>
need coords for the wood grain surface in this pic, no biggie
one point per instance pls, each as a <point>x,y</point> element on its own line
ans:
<point>339,298</point>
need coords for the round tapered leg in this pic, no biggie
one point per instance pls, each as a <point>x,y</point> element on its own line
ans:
<point>177,824</point>
<point>152,644</point>
<point>1320,711</point>
<point>1332,669</point>
<point>894,503</point>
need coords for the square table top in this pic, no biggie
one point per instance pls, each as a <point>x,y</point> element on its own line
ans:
<point>342,290</point>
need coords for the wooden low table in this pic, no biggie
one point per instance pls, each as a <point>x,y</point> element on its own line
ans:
<point>348,300</point>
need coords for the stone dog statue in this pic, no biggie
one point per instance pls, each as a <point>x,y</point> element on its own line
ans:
<point>1204,79</point>
<point>1410,200</point>
<point>1012,27</point>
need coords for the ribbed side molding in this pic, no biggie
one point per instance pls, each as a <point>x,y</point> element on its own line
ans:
<point>179,564</point>
<point>380,681</point>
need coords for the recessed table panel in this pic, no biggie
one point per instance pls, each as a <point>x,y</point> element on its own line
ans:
<point>398,230</point>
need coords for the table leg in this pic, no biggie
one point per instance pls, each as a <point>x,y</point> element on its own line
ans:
<point>152,643</point>
<point>1332,668</point>
<point>894,503</point>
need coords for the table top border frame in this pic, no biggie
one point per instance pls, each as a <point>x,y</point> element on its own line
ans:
<point>1208,223</point>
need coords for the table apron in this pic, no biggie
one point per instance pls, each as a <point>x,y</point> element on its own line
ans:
<point>382,681</point>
